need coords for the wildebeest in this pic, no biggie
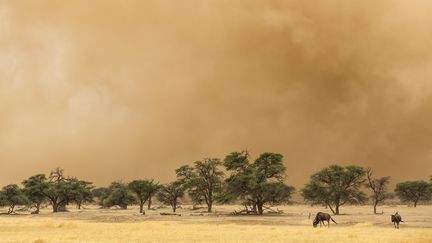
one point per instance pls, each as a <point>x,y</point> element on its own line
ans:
<point>396,219</point>
<point>321,217</point>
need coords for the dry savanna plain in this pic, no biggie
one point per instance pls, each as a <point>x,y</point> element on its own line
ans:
<point>92,224</point>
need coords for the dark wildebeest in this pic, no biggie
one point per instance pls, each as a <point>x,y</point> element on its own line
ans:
<point>396,219</point>
<point>321,217</point>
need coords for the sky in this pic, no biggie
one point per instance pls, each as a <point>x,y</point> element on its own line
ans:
<point>121,90</point>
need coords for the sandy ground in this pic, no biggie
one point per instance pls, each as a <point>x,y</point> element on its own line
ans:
<point>357,224</point>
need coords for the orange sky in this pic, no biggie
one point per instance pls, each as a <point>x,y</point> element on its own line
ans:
<point>114,90</point>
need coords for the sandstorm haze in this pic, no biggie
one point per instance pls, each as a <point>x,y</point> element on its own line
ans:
<point>133,89</point>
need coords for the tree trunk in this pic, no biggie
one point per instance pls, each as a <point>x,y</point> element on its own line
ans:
<point>37,208</point>
<point>55,206</point>
<point>260,208</point>
<point>79,205</point>
<point>331,208</point>
<point>415,204</point>
<point>337,209</point>
<point>174,206</point>
<point>375,206</point>
<point>210,200</point>
<point>149,203</point>
<point>141,206</point>
<point>209,206</point>
<point>11,209</point>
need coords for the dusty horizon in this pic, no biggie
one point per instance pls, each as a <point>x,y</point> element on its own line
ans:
<point>119,90</point>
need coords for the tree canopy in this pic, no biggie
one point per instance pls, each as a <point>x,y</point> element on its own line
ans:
<point>11,195</point>
<point>61,190</point>
<point>100,194</point>
<point>120,195</point>
<point>378,186</point>
<point>34,188</point>
<point>144,190</point>
<point>171,193</point>
<point>256,183</point>
<point>203,181</point>
<point>414,191</point>
<point>335,186</point>
<point>82,191</point>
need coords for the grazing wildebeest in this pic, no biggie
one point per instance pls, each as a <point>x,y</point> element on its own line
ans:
<point>396,219</point>
<point>321,217</point>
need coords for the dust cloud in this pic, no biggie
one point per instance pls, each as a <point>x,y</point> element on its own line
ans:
<point>114,90</point>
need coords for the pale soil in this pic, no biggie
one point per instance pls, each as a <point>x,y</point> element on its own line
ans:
<point>358,224</point>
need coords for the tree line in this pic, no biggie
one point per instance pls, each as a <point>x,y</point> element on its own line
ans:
<point>258,184</point>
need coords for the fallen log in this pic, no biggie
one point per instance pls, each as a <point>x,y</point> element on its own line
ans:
<point>177,214</point>
<point>272,211</point>
<point>244,211</point>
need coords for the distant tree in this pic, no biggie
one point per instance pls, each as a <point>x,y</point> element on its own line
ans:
<point>430,183</point>
<point>335,186</point>
<point>120,195</point>
<point>59,194</point>
<point>34,188</point>
<point>171,193</point>
<point>414,191</point>
<point>82,192</point>
<point>153,188</point>
<point>57,189</point>
<point>203,181</point>
<point>257,183</point>
<point>12,195</point>
<point>60,190</point>
<point>100,193</point>
<point>144,190</point>
<point>378,186</point>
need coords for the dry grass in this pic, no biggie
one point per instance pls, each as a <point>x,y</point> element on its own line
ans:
<point>95,225</point>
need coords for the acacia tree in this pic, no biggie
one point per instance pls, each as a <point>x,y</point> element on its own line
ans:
<point>120,195</point>
<point>82,192</point>
<point>144,190</point>
<point>100,193</point>
<point>57,189</point>
<point>414,191</point>
<point>171,193</point>
<point>335,186</point>
<point>203,181</point>
<point>61,190</point>
<point>59,194</point>
<point>34,188</point>
<point>378,186</point>
<point>12,195</point>
<point>257,183</point>
<point>430,183</point>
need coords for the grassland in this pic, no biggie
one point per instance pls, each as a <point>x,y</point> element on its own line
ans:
<point>357,224</point>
